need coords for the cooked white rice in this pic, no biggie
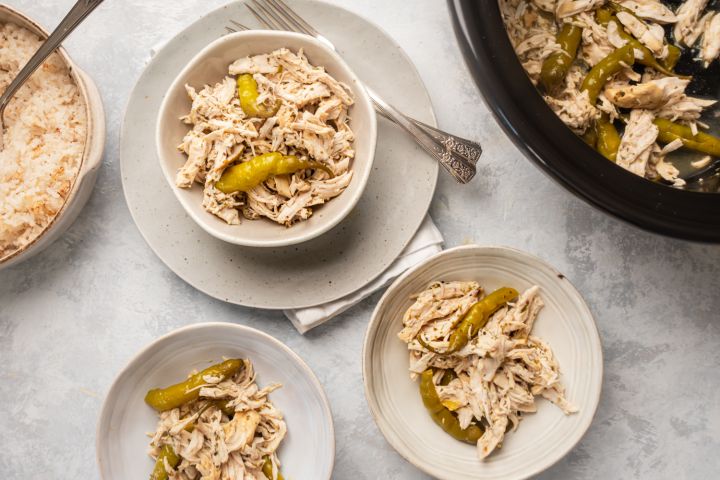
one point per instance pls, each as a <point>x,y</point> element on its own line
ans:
<point>43,142</point>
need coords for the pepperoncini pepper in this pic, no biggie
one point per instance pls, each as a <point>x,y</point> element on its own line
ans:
<point>645,57</point>
<point>608,138</point>
<point>166,453</point>
<point>162,399</point>
<point>475,319</point>
<point>267,469</point>
<point>442,415</point>
<point>248,175</point>
<point>669,62</point>
<point>248,93</point>
<point>700,142</point>
<point>605,69</point>
<point>556,66</point>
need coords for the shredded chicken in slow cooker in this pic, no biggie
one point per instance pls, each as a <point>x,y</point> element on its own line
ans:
<point>641,111</point>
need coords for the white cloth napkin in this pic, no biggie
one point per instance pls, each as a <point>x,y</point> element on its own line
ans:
<point>427,242</point>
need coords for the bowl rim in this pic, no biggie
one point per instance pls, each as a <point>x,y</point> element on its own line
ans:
<point>533,127</point>
<point>361,97</point>
<point>79,78</point>
<point>375,320</point>
<point>136,359</point>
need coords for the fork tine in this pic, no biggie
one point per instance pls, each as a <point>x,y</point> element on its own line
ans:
<point>271,15</point>
<point>230,30</point>
<point>239,25</point>
<point>281,12</point>
<point>289,12</point>
<point>262,19</point>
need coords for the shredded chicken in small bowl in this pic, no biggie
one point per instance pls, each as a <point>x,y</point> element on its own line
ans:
<point>228,430</point>
<point>300,112</point>
<point>481,388</point>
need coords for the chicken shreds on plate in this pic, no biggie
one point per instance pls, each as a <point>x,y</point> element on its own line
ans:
<point>607,69</point>
<point>272,139</point>
<point>480,367</point>
<point>217,425</point>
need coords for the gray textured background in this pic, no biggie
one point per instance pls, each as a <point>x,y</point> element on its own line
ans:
<point>73,316</point>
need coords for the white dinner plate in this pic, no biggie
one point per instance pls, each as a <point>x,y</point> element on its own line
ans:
<point>542,438</point>
<point>338,262</point>
<point>308,450</point>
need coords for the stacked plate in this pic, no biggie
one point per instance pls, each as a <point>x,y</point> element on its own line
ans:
<point>332,265</point>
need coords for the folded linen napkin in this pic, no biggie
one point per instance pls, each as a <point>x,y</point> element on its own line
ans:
<point>427,242</point>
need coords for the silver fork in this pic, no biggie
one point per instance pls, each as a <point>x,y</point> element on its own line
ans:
<point>457,155</point>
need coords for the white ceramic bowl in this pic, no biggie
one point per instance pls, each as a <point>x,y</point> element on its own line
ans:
<point>92,155</point>
<point>209,67</point>
<point>308,450</point>
<point>542,438</point>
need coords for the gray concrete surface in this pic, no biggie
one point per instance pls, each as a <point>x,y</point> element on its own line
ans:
<point>74,315</point>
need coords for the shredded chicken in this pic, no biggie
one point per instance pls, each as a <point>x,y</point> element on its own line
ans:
<point>652,10</point>
<point>648,95</point>
<point>571,105</point>
<point>546,5</point>
<point>311,123</point>
<point>214,446</point>
<point>689,22</point>
<point>532,35</point>
<point>651,35</point>
<point>596,43</point>
<point>498,374</point>
<point>637,142</point>
<point>686,109</point>
<point>568,8</point>
<point>637,95</point>
<point>658,167</point>
<point>710,49</point>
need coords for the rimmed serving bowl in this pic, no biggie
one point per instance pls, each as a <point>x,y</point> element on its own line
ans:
<point>544,139</point>
<point>542,438</point>
<point>308,450</point>
<point>92,154</point>
<point>209,67</point>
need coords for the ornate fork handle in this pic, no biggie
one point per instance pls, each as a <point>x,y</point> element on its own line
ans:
<point>457,155</point>
<point>467,149</point>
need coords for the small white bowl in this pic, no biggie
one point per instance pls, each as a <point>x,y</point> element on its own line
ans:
<point>92,155</point>
<point>308,450</point>
<point>209,67</point>
<point>542,438</point>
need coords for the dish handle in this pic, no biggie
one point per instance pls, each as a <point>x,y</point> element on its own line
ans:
<point>96,133</point>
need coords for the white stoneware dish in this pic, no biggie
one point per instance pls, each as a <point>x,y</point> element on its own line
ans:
<point>92,155</point>
<point>209,67</point>
<point>358,249</point>
<point>542,438</point>
<point>308,450</point>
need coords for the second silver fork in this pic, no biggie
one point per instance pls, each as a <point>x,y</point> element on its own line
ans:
<point>457,155</point>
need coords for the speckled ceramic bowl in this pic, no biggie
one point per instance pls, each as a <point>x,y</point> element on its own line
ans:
<point>209,67</point>
<point>92,156</point>
<point>542,438</point>
<point>308,450</point>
